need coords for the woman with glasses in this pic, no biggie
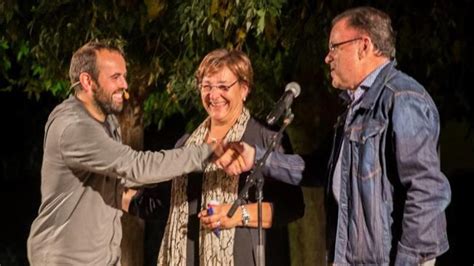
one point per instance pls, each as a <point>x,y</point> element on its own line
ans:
<point>225,79</point>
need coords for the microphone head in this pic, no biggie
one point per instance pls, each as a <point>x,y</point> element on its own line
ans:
<point>294,88</point>
<point>126,95</point>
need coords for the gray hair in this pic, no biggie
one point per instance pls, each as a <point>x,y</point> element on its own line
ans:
<point>376,23</point>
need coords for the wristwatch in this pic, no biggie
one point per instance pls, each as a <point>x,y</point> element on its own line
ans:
<point>245,215</point>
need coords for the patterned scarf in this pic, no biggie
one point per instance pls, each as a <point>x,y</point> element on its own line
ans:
<point>216,185</point>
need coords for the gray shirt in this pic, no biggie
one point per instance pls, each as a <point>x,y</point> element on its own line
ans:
<point>82,176</point>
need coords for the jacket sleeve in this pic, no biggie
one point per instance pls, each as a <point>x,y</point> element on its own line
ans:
<point>85,145</point>
<point>415,138</point>
<point>300,170</point>
<point>287,200</point>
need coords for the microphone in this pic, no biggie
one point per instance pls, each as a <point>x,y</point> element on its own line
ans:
<point>292,90</point>
<point>126,95</point>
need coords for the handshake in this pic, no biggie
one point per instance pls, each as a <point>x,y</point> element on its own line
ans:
<point>234,157</point>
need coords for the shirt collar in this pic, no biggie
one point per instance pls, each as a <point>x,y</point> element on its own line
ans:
<point>356,95</point>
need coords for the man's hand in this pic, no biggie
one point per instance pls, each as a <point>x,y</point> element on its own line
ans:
<point>238,157</point>
<point>127,197</point>
<point>218,147</point>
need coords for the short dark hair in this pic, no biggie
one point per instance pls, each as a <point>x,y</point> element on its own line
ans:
<point>376,23</point>
<point>85,60</point>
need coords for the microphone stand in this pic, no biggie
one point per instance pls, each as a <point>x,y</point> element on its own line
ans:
<point>256,179</point>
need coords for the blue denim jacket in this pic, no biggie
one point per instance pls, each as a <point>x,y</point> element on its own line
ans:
<point>393,194</point>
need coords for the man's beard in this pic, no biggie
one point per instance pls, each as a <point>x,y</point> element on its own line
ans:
<point>105,102</point>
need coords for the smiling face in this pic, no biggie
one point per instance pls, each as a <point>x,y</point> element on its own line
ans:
<point>111,82</point>
<point>221,97</point>
<point>343,56</point>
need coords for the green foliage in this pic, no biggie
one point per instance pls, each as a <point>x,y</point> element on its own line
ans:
<point>165,40</point>
<point>206,25</point>
<point>285,39</point>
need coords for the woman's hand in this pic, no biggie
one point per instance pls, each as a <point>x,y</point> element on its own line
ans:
<point>219,217</point>
<point>220,220</point>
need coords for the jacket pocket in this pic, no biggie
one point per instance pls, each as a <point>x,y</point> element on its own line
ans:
<point>366,142</point>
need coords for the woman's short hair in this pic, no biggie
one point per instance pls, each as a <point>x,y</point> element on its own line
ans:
<point>237,62</point>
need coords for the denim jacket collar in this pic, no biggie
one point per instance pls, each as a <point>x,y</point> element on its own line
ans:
<point>346,99</point>
<point>372,93</point>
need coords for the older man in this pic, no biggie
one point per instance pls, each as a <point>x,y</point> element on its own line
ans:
<point>386,195</point>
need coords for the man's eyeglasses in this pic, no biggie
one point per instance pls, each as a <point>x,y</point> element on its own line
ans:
<point>333,46</point>
<point>206,88</point>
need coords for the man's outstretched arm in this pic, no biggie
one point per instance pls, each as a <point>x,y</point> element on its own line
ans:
<point>289,168</point>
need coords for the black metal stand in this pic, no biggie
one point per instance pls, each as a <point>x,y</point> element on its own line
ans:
<point>256,179</point>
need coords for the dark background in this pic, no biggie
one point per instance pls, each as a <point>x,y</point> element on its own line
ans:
<point>23,120</point>
<point>448,79</point>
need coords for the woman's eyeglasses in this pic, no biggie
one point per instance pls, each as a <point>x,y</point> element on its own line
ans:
<point>206,88</point>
